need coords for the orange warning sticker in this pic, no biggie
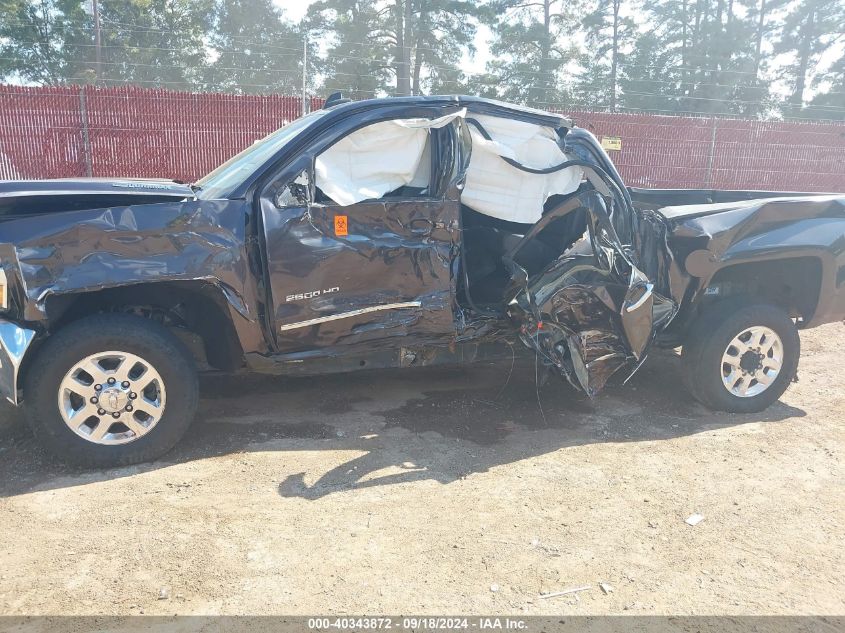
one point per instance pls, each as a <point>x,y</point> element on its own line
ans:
<point>341,225</point>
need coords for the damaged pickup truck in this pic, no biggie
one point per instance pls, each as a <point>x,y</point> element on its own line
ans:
<point>395,233</point>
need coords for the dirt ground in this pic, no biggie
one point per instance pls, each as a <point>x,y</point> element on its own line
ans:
<point>447,491</point>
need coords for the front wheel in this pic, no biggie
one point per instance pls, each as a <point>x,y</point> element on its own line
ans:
<point>111,390</point>
<point>741,357</point>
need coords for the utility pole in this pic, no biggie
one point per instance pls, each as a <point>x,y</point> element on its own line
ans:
<point>304,74</point>
<point>614,61</point>
<point>98,56</point>
<point>404,16</point>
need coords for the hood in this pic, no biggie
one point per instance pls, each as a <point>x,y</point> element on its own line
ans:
<point>688,211</point>
<point>30,197</point>
<point>98,186</point>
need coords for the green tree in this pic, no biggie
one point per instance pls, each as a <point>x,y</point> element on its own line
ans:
<point>358,57</point>
<point>756,87</point>
<point>398,47</point>
<point>695,56</point>
<point>651,79</point>
<point>606,32</point>
<point>155,42</point>
<point>829,102</point>
<point>256,49</point>
<point>809,29</point>
<point>441,32</point>
<point>533,44</point>
<point>45,42</point>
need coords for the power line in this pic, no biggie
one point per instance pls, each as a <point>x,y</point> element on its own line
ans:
<point>246,69</point>
<point>296,51</point>
<point>122,26</point>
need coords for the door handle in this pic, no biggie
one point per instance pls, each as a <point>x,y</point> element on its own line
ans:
<point>421,226</point>
<point>649,289</point>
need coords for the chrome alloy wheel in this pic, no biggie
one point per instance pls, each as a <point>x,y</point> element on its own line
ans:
<point>752,361</point>
<point>112,398</point>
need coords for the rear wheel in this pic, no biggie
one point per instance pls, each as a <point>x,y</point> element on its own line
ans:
<point>111,390</point>
<point>741,357</point>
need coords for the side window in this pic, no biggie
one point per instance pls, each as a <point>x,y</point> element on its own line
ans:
<point>295,192</point>
<point>389,159</point>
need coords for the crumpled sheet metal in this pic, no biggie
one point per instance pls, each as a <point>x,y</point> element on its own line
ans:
<point>690,244</point>
<point>401,253</point>
<point>89,250</point>
<point>592,311</point>
<point>579,330</point>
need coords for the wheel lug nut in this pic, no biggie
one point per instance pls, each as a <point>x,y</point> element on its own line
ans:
<point>116,414</point>
<point>98,387</point>
<point>101,411</point>
<point>128,407</point>
<point>133,395</point>
<point>95,400</point>
<point>112,381</point>
<point>125,384</point>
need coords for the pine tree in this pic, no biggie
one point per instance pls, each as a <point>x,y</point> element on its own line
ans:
<point>809,29</point>
<point>533,44</point>
<point>256,49</point>
<point>398,47</point>
<point>442,30</point>
<point>155,42</point>
<point>704,52</point>
<point>756,87</point>
<point>651,80</point>
<point>358,58</point>
<point>606,32</point>
<point>45,42</point>
<point>829,103</point>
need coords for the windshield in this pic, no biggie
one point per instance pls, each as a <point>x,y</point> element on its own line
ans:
<point>226,178</point>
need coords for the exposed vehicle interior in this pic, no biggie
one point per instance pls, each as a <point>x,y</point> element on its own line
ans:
<point>516,174</point>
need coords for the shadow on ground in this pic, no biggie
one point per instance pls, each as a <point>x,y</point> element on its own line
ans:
<point>429,423</point>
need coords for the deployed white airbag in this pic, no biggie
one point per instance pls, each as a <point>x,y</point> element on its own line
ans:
<point>495,188</point>
<point>385,156</point>
<point>378,159</point>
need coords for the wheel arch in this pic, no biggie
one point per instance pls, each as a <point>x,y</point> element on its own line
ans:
<point>190,309</point>
<point>790,283</point>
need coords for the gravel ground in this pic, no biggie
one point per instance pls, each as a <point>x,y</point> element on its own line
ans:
<point>447,490</point>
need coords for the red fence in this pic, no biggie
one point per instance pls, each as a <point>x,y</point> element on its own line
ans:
<point>126,131</point>
<point>661,151</point>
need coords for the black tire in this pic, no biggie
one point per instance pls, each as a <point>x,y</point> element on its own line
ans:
<point>708,339</point>
<point>100,333</point>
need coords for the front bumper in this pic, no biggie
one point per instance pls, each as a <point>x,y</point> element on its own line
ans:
<point>14,342</point>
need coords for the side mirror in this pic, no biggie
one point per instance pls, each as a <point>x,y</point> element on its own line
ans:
<point>296,193</point>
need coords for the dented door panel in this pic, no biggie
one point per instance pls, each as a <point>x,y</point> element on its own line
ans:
<point>388,277</point>
<point>373,273</point>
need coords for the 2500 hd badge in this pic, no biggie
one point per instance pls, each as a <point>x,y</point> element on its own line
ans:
<point>310,295</point>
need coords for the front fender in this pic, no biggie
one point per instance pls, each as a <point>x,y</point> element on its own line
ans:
<point>822,239</point>
<point>65,254</point>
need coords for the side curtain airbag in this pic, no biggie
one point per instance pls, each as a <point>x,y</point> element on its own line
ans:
<point>498,189</point>
<point>376,159</point>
